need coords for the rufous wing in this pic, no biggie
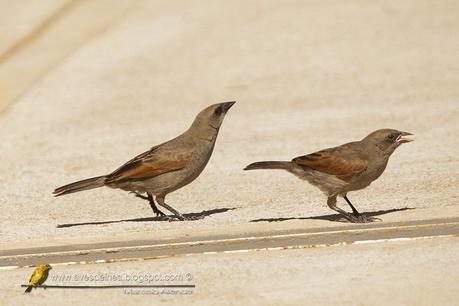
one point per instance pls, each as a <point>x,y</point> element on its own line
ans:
<point>148,165</point>
<point>332,162</point>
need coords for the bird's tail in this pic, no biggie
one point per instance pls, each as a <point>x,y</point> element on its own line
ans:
<point>286,165</point>
<point>28,289</point>
<point>90,183</point>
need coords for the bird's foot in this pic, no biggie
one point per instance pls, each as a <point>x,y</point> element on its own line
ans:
<point>168,218</point>
<point>159,213</point>
<point>374,219</point>
<point>359,219</point>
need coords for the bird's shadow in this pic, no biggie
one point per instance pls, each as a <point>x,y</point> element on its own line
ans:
<point>332,217</point>
<point>202,214</point>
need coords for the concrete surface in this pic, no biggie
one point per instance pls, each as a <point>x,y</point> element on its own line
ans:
<point>36,43</point>
<point>306,75</point>
<point>394,273</point>
<point>77,101</point>
<point>20,21</point>
<point>143,249</point>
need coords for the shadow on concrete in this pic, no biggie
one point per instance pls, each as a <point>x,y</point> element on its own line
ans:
<point>202,214</point>
<point>333,217</point>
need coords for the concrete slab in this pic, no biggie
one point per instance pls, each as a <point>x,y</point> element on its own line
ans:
<point>420,272</point>
<point>307,75</point>
<point>135,250</point>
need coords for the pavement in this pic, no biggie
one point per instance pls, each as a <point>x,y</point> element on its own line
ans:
<point>86,85</point>
<point>147,249</point>
<point>417,272</point>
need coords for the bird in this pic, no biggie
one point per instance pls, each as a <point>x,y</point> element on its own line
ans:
<point>165,167</point>
<point>38,277</point>
<point>349,167</point>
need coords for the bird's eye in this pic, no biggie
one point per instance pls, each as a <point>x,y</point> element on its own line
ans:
<point>391,136</point>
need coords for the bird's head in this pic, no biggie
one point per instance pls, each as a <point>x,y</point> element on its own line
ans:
<point>387,140</point>
<point>213,115</point>
<point>45,267</point>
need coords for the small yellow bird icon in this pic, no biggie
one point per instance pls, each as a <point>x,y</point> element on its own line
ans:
<point>39,276</point>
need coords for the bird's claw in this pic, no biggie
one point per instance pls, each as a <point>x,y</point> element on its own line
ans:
<point>359,219</point>
<point>371,219</point>
<point>167,218</point>
<point>159,213</point>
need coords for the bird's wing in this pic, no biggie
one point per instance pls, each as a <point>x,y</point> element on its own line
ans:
<point>32,277</point>
<point>338,161</point>
<point>43,277</point>
<point>150,164</point>
<point>35,277</point>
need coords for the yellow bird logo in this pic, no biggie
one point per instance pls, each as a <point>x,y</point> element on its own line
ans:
<point>39,276</point>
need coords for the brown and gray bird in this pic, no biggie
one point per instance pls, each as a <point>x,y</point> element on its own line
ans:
<point>166,167</point>
<point>349,167</point>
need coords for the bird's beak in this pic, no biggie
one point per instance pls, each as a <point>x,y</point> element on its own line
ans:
<point>225,106</point>
<point>403,139</point>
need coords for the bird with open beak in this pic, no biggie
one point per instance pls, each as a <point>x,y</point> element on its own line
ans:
<point>349,167</point>
<point>165,167</point>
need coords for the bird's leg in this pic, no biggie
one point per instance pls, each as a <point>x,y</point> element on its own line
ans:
<point>138,195</point>
<point>150,200</point>
<point>361,218</point>
<point>354,210</point>
<point>331,202</point>
<point>177,215</point>
<point>153,206</point>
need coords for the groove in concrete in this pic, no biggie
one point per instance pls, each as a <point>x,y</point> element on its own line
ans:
<point>65,31</point>
<point>147,249</point>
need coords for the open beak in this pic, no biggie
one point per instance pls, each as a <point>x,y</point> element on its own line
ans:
<point>402,138</point>
<point>225,106</point>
